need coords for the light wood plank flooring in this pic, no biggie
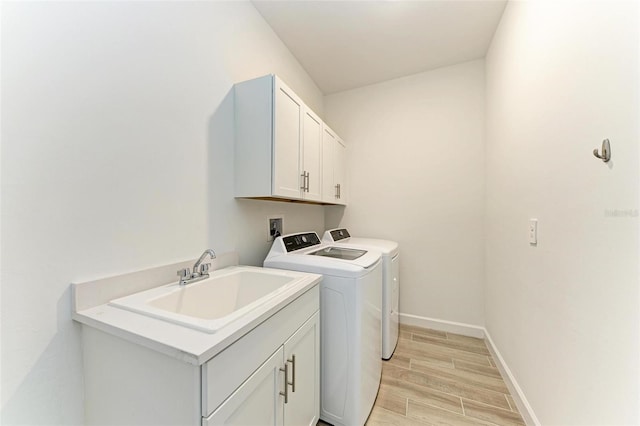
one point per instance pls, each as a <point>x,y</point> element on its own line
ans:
<point>438,378</point>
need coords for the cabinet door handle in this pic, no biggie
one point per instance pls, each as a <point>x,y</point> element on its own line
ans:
<point>293,372</point>
<point>305,181</point>
<point>286,382</point>
<point>339,191</point>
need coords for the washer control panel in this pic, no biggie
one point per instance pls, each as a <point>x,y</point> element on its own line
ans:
<point>300,241</point>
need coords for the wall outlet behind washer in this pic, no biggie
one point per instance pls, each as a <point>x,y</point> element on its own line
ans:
<point>275,227</point>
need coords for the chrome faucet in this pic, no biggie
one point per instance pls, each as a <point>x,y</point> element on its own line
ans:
<point>204,267</point>
<point>187,277</point>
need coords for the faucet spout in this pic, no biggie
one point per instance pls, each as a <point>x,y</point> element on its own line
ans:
<point>187,277</point>
<point>207,252</point>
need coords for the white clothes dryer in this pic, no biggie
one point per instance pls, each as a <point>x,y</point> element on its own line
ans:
<point>390,280</point>
<point>350,321</point>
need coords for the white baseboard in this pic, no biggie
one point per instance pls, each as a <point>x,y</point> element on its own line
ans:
<point>523,405</point>
<point>516,391</point>
<point>442,325</point>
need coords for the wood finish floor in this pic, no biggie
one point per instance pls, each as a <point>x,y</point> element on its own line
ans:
<point>438,378</point>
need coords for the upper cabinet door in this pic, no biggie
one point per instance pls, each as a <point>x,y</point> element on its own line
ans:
<point>329,192</point>
<point>311,156</point>
<point>286,145</point>
<point>340,170</point>
<point>334,162</point>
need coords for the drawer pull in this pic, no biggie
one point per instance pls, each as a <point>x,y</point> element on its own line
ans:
<point>293,373</point>
<point>305,181</point>
<point>286,382</point>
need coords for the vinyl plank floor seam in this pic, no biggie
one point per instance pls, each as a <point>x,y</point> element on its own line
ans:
<point>451,394</point>
<point>409,400</point>
<point>489,413</point>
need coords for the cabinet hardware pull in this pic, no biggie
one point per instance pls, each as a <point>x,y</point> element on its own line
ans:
<point>305,181</point>
<point>286,382</point>
<point>339,191</point>
<point>293,372</point>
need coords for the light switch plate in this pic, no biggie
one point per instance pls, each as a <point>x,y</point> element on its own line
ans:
<point>533,232</point>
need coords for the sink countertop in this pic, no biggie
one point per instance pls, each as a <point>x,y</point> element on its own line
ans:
<point>186,344</point>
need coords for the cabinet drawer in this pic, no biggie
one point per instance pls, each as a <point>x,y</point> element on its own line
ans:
<point>225,372</point>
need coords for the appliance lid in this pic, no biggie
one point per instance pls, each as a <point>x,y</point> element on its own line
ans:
<point>386,247</point>
<point>341,236</point>
<point>339,253</point>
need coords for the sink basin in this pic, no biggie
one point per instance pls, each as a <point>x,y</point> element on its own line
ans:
<point>210,304</point>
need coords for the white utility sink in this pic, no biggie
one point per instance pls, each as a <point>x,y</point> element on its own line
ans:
<point>210,304</point>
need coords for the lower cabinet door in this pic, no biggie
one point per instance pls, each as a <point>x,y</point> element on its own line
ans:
<point>303,406</point>
<point>257,401</point>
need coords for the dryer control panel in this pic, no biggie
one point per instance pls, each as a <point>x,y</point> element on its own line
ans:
<point>339,234</point>
<point>300,241</point>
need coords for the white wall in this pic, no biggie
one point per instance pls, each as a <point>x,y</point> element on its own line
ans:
<point>562,76</point>
<point>416,175</point>
<point>117,154</point>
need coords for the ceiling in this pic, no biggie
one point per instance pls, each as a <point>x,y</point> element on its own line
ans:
<point>349,44</point>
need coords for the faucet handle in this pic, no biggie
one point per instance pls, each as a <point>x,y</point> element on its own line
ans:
<point>184,273</point>
<point>204,268</point>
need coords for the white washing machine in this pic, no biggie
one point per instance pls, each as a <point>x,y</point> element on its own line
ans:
<point>350,327</point>
<point>390,280</point>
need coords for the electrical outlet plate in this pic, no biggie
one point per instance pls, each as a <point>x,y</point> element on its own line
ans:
<point>275,227</point>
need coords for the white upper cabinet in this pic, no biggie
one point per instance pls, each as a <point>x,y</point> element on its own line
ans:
<point>340,170</point>
<point>280,151</point>
<point>287,129</point>
<point>312,156</point>
<point>279,144</point>
<point>334,162</point>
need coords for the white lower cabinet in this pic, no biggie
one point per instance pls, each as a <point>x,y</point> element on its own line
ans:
<point>127,383</point>
<point>302,354</point>
<point>257,401</point>
<point>265,398</point>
